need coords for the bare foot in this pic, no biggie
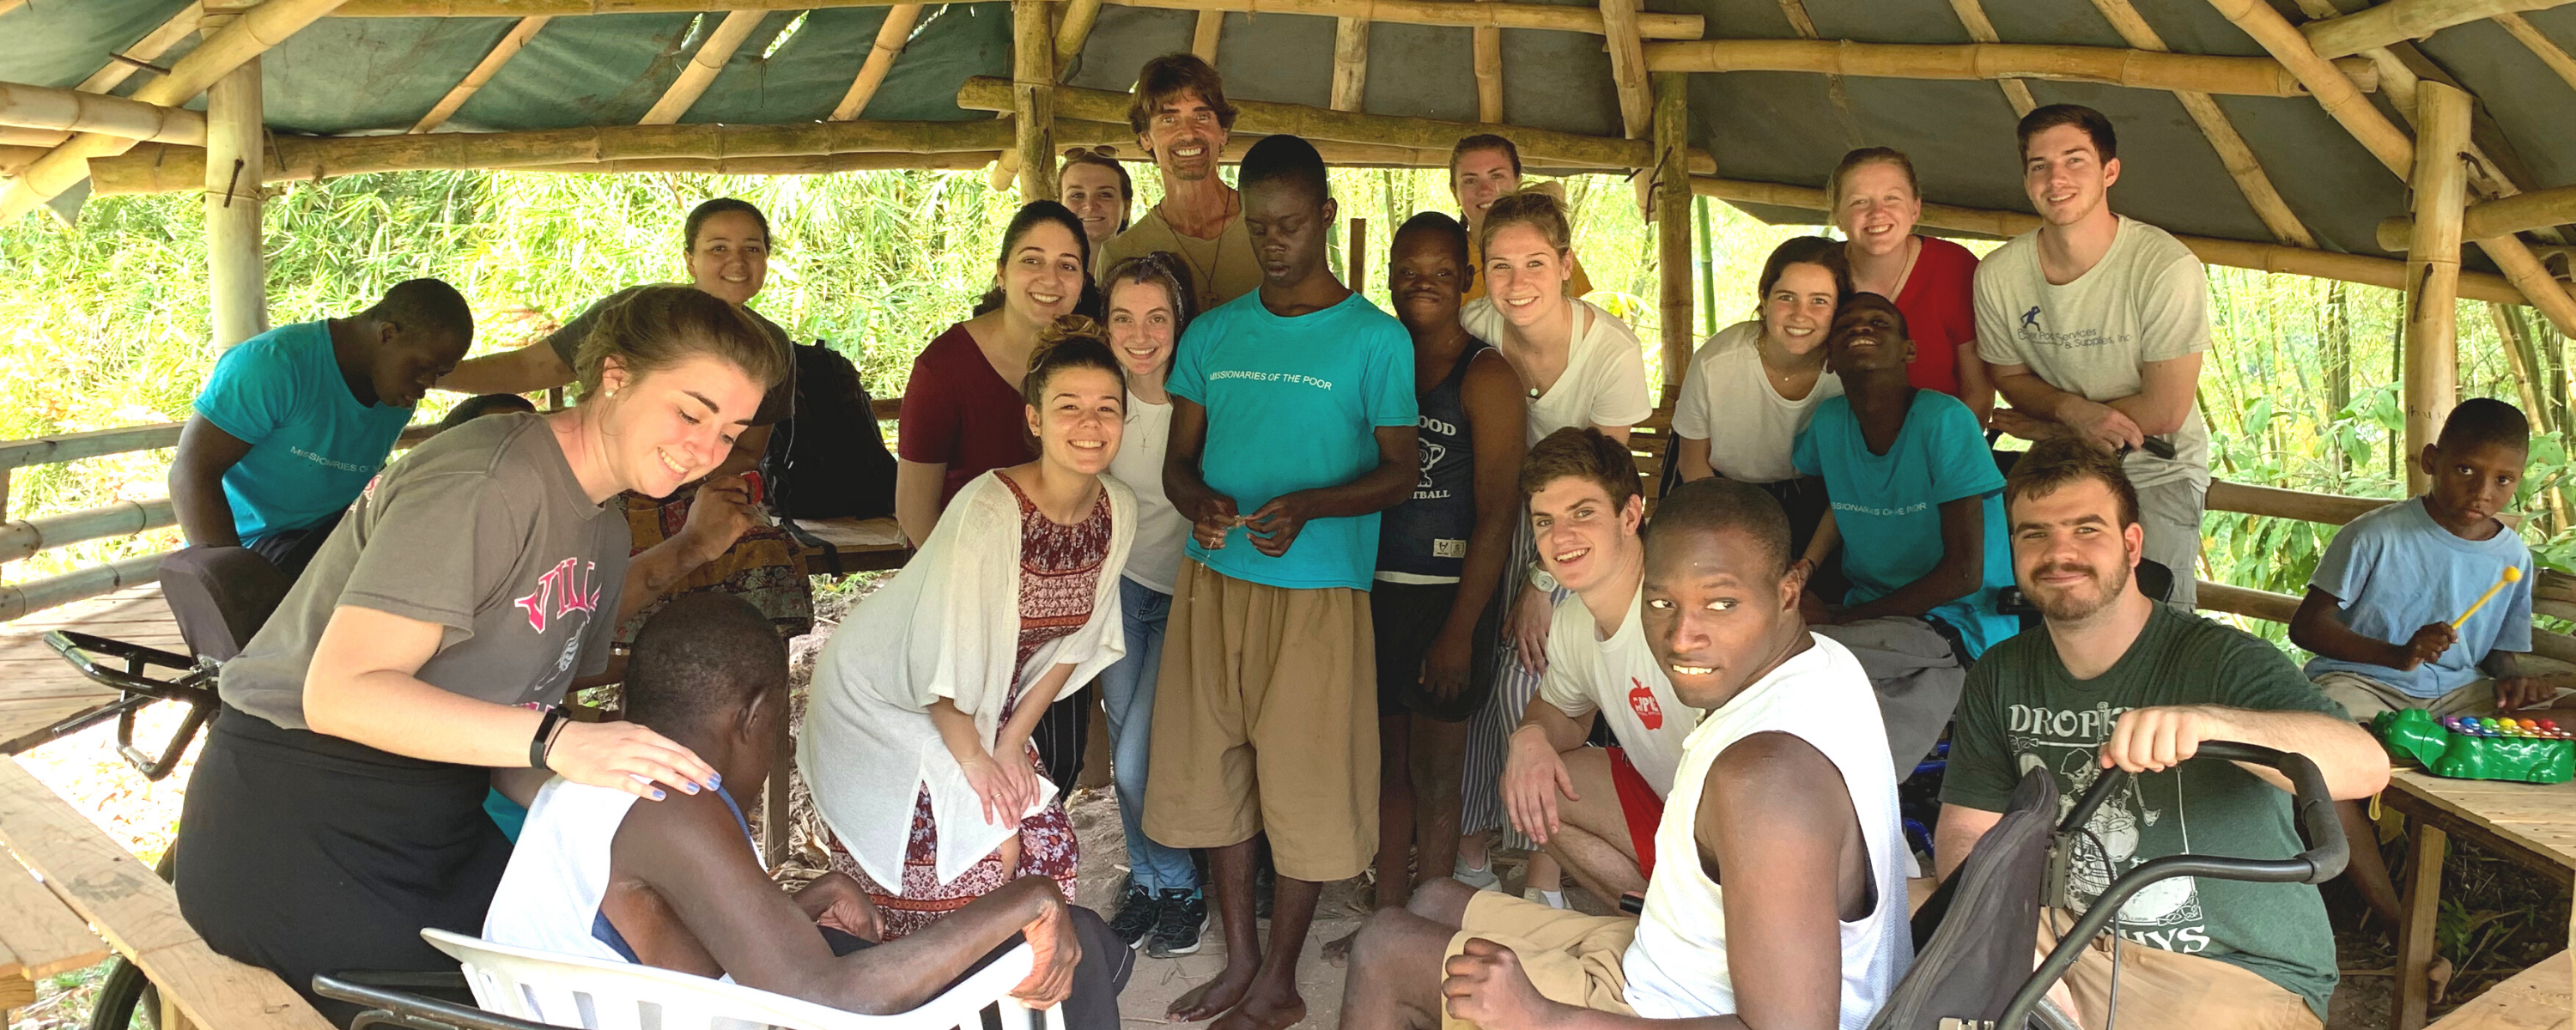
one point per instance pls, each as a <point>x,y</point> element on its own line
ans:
<point>1266,1008</point>
<point>1338,950</point>
<point>1210,1000</point>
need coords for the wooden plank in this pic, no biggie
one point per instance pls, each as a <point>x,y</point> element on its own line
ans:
<point>2534,999</point>
<point>38,936</point>
<point>2536,817</point>
<point>2415,934</point>
<point>139,914</point>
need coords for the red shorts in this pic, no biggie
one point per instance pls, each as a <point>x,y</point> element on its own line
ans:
<point>1643,809</point>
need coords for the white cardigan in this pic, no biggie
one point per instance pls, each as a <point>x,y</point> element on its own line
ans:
<point>947,626</point>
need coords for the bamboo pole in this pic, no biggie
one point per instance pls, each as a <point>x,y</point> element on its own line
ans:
<point>68,110</point>
<point>1073,32</point>
<point>1204,35</point>
<point>2114,66</point>
<point>703,67</point>
<point>55,591</point>
<point>15,158</point>
<point>2522,212</point>
<point>2400,20</point>
<point>1672,209</point>
<point>2531,381</point>
<point>150,48</point>
<point>2263,257</point>
<point>1489,71</point>
<point>2220,131</point>
<point>13,136</point>
<point>1033,97</point>
<point>162,169</point>
<point>25,537</point>
<point>247,37</point>
<point>2540,46</point>
<point>490,65</point>
<point>892,34</point>
<point>813,164</point>
<point>236,267</point>
<point>1350,63</point>
<point>1972,15</point>
<point>1500,14</point>
<point>1637,97</point>
<point>2441,184</point>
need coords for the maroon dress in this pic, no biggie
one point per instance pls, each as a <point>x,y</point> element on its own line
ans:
<point>1060,569</point>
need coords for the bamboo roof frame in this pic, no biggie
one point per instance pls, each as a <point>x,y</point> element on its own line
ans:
<point>2400,20</point>
<point>489,66</point>
<point>72,110</point>
<point>1972,16</point>
<point>2138,69</point>
<point>2219,130</point>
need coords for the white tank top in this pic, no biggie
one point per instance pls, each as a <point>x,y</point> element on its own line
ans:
<point>550,893</point>
<point>1677,967</point>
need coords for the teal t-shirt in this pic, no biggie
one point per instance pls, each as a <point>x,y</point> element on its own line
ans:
<point>1295,404</point>
<point>1888,506</point>
<point>2021,709</point>
<point>312,445</point>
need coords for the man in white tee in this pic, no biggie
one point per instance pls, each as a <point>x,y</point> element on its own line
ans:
<point>2094,325</point>
<point>1594,808</point>
<point>1784,785</point>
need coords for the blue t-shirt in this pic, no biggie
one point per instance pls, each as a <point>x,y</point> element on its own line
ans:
<point>1888,507</point>
<point>312,445</point>
<point>1295,404</point>
<point>2396,571</point>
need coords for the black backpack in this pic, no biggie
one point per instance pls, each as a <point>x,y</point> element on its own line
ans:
<point>829,461</point>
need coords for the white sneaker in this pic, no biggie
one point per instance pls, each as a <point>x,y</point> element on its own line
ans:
<point>1480,877</point>
<point>1551,899</point>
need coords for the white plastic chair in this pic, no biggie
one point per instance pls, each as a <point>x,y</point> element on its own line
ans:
<point>572,991</point>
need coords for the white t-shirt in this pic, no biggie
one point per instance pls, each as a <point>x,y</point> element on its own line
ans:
<point>2146,300</point>
<point>1621,679</point>
<point>1727,400</point>
<point>549,894</point>
<point>1154,560</point>
<point>1605,372</point>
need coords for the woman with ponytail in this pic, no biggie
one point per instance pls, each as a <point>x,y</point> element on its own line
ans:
<point>917,739</point>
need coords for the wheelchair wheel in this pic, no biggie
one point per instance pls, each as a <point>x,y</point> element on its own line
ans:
<point>126,993</point>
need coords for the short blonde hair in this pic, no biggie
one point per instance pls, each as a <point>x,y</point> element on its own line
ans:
<point>1538,209</point>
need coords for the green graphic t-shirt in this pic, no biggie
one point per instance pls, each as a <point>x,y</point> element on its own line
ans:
<point>2021,709</point>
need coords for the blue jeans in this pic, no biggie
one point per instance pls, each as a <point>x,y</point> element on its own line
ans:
<point>1127,689</point>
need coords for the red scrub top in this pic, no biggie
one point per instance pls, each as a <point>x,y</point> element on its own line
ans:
<point>1939,305</point>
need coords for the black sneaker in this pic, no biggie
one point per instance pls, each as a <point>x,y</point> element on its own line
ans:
<point>1184,918</point>
<point>1138,915</point>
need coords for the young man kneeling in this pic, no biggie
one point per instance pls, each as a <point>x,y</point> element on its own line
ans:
<point>678,883</point>
<point>1785,777</point>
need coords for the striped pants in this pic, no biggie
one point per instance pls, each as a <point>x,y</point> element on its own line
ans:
<point>1489,733</point>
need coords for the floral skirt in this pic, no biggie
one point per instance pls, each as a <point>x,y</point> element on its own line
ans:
<point>1046,849</point>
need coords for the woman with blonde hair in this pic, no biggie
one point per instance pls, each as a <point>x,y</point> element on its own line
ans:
<point>1877,202</point>
<point>1096,188</point>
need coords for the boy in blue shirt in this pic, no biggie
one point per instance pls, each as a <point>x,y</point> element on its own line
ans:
<point>2379,610</point>
<point>1293,425</point>
<point>295,421</point>
<point>1918,506</point>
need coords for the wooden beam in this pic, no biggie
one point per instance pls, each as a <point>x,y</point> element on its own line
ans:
<point>1972,15</point>
<point>70,110</point>
<point>1500,14</point>
<point>2441,186</point>
<point>236,158</point>
<point>817,164</point>
<point>2538,209</point>
<point>2262,257</point>
<point>2233,152</point>
<point>1033,97</point>
<point>252,34</point>
<point>703,67</point>
<point>1204,35</point>
<point>490,65</point>
<point>48,139</point>
<point>1637,97</point>
<point>1672,209</point>
<point>182,25</point>
<point>1073,32</point>
<point>2140,69</point>
<point>892,34</point>
<point>1489,73</point>
<point>162,169</point>
<point>1350,63</point>
<point>2540,46</point>
<point>2400,20</point>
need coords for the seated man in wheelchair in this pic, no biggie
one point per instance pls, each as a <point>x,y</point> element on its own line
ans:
<point>294,422</point>
<point>1779,894</point>
<point>2117,679</point>
<point>679,884</point>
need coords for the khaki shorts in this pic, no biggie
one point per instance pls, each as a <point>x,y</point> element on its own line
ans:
<point>1571,958</point>
<point>1266,722</point>
<point>2365,697</point>
<point>2171,512</point>
<point>2168,990</point>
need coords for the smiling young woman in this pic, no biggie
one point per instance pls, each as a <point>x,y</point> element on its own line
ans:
<point>1876,204</point>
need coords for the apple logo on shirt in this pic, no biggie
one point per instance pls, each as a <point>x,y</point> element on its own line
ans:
<point>1642,701</point>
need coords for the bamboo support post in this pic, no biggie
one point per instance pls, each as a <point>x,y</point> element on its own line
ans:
<point>1489,72</point>
<point>2114,66</point>
<point>892,34</point>
<point>70,110</point>
<point>1637,99</point>
<point>490,65</point>
<point>247,37</point>
<point>1972,16</point>
<point>236,268</point>
<point>1033,97</point>
<point>2233,152</point>
<point>2540,46</point>
<point>1204,35</point>
<point>703,67</point>
<point>2400,20</point>
<point>2522,212</point>
<point>1072,32</point>
<point>1672,209</point>
<point>1350,63</point>
<point>2440,184</point>
<point>122,66</point>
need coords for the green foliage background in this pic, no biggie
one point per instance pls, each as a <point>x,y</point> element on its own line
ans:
<point>103,324</point>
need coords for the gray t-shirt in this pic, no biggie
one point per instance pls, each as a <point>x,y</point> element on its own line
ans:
<point>2146,300</point>
<point>778,404</point>
<point>483,531</point>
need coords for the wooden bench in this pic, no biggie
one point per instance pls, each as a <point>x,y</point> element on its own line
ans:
<point>2538,998</point>
<point>89,878</point>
